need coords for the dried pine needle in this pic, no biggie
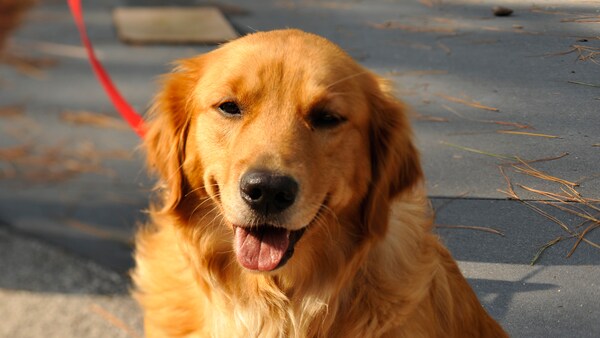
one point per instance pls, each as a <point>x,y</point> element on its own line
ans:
<point>467,103</point>
<point>472,227</point>
<point>568,200</point>
<point>514,132</point>
<point>113,320</point>
<point>543,248</point>
<point>477,151</point>
<point>584,84</point>
<point>502,123</point>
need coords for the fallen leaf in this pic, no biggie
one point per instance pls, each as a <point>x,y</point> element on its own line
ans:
<point>501,11</point>
<point>14,153</point>
<point>12,111</point>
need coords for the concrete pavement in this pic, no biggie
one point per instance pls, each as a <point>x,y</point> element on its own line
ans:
<point>487,91</point>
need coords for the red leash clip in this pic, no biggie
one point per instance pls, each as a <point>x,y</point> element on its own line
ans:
<point>127,112</point>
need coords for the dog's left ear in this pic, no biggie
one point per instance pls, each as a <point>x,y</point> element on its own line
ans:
<point>395,164</point>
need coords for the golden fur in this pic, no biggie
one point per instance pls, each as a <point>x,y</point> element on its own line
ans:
<point>367,265</point>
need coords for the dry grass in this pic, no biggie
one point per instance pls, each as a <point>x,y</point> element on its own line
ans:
<point>92,119</point>
<point>429,118</point>
<point>12,111</point>
<point>501,123</point>
<point>540,10</point>
<point>32,67</point>
<point>467,102</point>
<point>566,199</point>
<point>113,320</point>
<point>583,19</point>
<point>11,15</point>
<point>584,84</point>
<point>111,235</point>
<point>584,53</point>
<point>523,133</point>
<point>53,164</point>
<point>471,227</point>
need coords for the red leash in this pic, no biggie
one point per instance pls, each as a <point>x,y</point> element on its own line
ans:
<point>127,112</point>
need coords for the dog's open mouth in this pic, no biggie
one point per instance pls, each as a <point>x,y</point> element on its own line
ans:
<point>264,248</point>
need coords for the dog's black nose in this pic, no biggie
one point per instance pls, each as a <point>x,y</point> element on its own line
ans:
<point>267,192</point>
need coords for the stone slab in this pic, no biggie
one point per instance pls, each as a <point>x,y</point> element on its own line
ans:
<point>172,25</point>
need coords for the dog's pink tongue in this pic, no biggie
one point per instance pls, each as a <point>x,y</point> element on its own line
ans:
<point>261,248</point>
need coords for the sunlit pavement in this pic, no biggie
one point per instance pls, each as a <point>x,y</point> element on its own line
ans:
<point>487,92</point>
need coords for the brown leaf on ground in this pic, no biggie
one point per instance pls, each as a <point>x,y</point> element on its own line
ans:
<point>12,110</point>
<point>32,67</point>
<point>56,163</point>
<point>11,154</point>
<point>501,11</point>
<point>92,119</point>
<point>11,15</point>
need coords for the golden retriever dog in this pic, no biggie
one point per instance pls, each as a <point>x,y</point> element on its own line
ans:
<point>291,204</point>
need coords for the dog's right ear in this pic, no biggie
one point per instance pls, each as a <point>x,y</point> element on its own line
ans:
<point>168,123</point>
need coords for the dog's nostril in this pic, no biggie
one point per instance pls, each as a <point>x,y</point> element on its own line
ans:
<point>255,193</point>
<point>284,199</point>
<point>267,192</point>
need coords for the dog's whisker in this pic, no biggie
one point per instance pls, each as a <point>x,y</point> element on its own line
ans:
<point>206,200</point>
<point>216,210</point>
<point>347,78</point>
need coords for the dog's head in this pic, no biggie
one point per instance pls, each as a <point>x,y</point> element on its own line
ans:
<point>276,130</point>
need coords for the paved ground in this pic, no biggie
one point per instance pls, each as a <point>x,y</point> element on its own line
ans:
<point>77,183</point>
<point>46,292</point>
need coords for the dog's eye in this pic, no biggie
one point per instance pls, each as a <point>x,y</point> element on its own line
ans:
<point>325,119</point>
<point>230,109</point>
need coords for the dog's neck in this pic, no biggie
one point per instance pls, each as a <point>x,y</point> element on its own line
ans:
<point>314,291</point>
